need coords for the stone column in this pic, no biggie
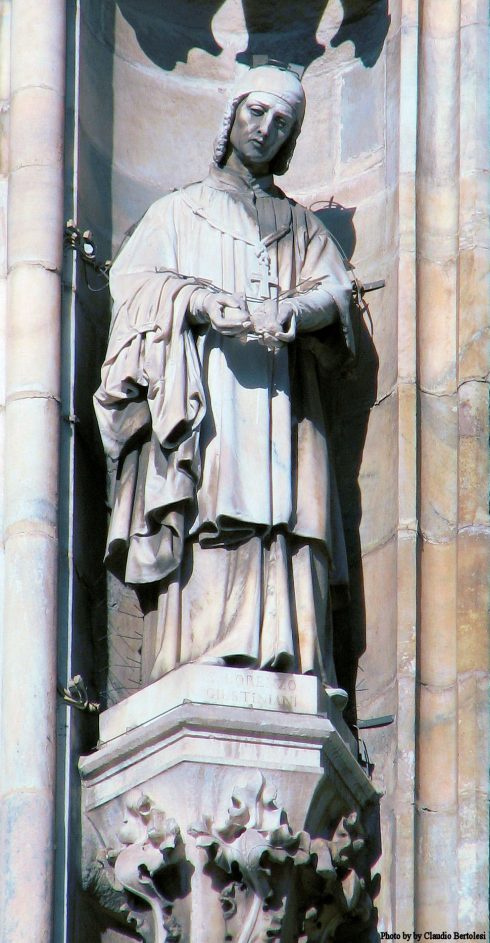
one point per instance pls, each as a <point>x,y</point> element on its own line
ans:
<point>5,9</point>
<point>35,241</point>
<point>436,888</point>
<point>403,890</point>
<point>473,524</point>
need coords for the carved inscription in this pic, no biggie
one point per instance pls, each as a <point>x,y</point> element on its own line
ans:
<point>255,689</point>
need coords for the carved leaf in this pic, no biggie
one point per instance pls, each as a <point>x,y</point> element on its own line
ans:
<point>255,833</point>
<point>151,843</point>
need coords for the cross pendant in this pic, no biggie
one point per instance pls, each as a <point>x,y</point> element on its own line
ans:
<point>264,284</point>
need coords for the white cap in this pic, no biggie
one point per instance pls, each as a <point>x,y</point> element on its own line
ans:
<point>282,83</point>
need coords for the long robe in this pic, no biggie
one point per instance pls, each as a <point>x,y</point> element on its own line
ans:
<point>223,496</point>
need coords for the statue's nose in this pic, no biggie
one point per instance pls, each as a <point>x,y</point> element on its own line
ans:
<point>265,126</point>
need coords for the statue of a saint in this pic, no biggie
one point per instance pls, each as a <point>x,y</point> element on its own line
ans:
<point>230,300</point>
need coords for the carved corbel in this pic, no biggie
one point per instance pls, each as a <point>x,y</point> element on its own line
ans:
<point>148,859</point>
<point>273,883</point>
<point>255,851</point>
<point>338,889</point>
<point>276,883</point>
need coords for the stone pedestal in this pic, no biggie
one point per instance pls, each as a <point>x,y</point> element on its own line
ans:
<point>224,804</point>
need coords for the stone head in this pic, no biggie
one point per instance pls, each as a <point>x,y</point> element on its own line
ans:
<point>273,98</point>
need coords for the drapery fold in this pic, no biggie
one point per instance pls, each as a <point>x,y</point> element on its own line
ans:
<point>216,439</point>
<point>149,407</point>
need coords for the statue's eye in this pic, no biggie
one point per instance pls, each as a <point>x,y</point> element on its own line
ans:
<point>256,110</point>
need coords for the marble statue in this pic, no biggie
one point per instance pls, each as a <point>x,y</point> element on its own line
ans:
<point>230,303</point>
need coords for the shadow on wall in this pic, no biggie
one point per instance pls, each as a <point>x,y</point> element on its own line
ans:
<point>285,31</point>
<point>166,30</point>
<point>349,400</point>
<point>365,23</point>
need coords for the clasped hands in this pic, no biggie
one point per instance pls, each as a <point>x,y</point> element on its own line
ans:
<point>273,321</point>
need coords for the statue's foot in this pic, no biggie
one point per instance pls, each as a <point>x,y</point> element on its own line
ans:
<point>210,660</point>
<point>229,661</point>
<point>337,695</point>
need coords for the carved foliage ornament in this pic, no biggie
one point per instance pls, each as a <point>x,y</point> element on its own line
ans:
<point>283,882</point>
<point>273,883</point>
<point>148,863</point>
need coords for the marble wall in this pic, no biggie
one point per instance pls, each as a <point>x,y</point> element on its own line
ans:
<point>153,83</point>
<point>345,167</point>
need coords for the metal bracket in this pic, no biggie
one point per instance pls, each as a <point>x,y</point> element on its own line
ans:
<point>376,722</point>
<point>372,286</point>
<point>75,695</point>
<point>84,245</point>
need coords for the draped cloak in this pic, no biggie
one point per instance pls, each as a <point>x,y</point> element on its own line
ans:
<point>223,496</point>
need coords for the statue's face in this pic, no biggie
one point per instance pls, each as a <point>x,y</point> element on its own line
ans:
<point>263,123</point>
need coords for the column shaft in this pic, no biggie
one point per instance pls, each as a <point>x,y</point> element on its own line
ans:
<point>436,890</point>
<point>34,254</point>
<point>403,889</point>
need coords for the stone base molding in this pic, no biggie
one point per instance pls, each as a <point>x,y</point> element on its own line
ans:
<point>210,823</point>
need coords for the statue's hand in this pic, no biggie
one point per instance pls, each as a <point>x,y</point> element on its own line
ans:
<point>275,321</point>
<point>228,313</point>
